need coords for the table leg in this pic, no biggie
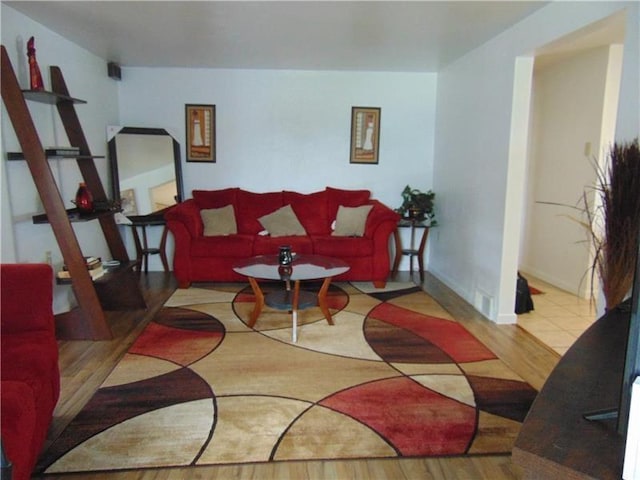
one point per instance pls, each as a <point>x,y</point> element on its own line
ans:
<point>136,240</point>
<point>294,311</point>
<point>398,256</point>
<point>163,249</point>
<point>322,300</point>
<point>423,243</point>
<point>411,255</point>
<point>257,308</point>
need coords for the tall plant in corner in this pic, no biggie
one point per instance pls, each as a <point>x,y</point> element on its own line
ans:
<point>616,243</point>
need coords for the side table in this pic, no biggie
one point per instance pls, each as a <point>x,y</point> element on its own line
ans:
<point>413,224</point>
<point>142,247</point>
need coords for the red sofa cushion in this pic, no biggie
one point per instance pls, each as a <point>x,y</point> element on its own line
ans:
<point>18,419</point>
<point>29,359</point>
<point>215,198</point>
<point>33,359</point>
<point>251,206</point>
<point>343,247</point>
<point>311,210</point>
<point>22,309</point>
<point>266,245</point>
<point>346,198</point>
<point>237,246</point>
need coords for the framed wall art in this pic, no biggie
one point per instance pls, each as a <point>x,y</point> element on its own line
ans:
<point>128,202</point>
<point>200,133</point>
<point>365,134</point>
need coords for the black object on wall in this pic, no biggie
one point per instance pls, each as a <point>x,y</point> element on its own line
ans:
<point>113,69</point>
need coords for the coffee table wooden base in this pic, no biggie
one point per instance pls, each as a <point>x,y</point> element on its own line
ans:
<point>291,301</point>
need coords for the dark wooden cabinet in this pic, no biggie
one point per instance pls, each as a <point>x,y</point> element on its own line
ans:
<point>119,288</point>
<point>556,440</point>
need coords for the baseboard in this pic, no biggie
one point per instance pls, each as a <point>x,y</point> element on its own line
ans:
<point>556,282</point>
<point>458,289</point>
<point>507,319</point>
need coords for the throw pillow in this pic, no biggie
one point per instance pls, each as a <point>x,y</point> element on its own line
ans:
<point>351,221</point>
<point>282,222</point>
<point>219,221</point>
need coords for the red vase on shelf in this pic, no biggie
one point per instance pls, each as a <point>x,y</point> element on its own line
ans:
<point>84,199</point>
<point>34,70</point>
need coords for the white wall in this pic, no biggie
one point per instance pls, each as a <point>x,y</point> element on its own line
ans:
<point>86,78</point>
<point>290,130</point>
<point>569,101</point>
<point>475,249</point>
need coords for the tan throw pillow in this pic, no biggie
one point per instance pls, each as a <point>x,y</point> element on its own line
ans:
<point>219,221</point>
<point>283,222</point>
<point>351,221</point>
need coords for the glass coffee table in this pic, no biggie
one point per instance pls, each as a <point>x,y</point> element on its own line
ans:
<point>303,267</point>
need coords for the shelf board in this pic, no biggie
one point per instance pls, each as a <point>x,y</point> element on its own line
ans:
<point>109,274</point>
<point>75,216</point>
<point>20,156</point>
<point>51,98</point>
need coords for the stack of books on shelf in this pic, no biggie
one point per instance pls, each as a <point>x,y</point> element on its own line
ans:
<point>93,264</point>
<point>61,151</point>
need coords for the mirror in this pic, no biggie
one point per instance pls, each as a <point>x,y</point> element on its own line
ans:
<point>146,174</point>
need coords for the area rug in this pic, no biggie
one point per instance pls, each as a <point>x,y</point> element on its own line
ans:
<point>396,376</point>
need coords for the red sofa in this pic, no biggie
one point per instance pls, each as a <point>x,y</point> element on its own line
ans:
<point>30,379</point>
<point>199,258</point>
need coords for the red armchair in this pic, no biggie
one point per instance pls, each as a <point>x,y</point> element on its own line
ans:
<point>29,375</point>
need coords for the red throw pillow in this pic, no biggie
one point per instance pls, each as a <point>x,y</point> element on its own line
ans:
<point>215,198</point>
<point>346,198</point>
<point>251,206</point>
<point>311,210</point>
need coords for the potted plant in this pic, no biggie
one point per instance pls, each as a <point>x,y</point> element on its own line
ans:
<point>417,205</point>
<point>616,241</point>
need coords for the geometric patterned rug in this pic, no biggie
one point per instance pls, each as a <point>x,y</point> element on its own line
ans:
<point>396,376</point>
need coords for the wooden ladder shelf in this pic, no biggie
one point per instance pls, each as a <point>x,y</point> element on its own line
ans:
<point>117,290</point>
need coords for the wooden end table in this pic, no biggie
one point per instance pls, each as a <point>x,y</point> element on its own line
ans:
<point>142,247</point>
<point>413,224</point>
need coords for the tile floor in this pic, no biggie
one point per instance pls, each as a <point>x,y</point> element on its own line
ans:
<point>558,318</point>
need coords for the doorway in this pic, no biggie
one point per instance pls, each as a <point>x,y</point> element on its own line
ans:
<point>574,102</point>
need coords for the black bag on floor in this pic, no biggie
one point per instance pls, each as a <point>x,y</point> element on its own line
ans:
<point>524,302</point>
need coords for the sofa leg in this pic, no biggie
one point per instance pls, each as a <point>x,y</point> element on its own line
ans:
<point>184,284</point>
<point>379,283</point>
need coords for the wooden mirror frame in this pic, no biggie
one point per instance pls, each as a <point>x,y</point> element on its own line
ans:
<point>113,158</point>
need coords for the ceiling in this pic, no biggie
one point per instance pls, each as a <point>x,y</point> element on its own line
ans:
<point>414,36</point>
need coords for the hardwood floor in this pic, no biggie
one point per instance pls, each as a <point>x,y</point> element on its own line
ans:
<point>84,365</point>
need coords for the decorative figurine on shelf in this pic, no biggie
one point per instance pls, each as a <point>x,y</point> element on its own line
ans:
<point>84,199</point>
<point>34,70</point>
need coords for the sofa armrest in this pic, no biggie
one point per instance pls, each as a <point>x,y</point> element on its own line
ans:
<point>26,303</point>
<point>381,223</point>
<point>187,213</point>
<point>380,215</point>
